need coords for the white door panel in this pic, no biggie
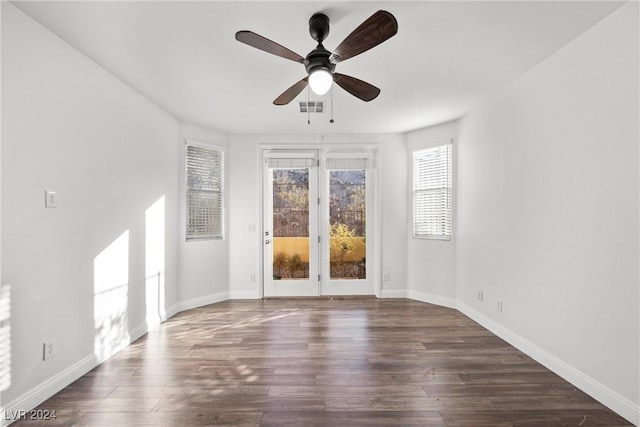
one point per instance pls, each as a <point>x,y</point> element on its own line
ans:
<point>319,222</point>
<point>291,224</point>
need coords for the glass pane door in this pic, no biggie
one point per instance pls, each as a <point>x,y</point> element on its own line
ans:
<point>347,225</point>
<point>291,228</point>
<point>290,223</point>
<point>319,222</point>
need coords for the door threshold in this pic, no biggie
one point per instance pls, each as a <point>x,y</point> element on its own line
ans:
<point>327,297</point>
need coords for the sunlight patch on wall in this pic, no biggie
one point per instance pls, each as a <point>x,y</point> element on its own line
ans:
<point>5,339</point>
<point>110,301</point>
<point>154,263</point>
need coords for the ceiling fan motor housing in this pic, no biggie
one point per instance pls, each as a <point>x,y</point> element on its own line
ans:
<point>318,58</point>
<point>319,27</point>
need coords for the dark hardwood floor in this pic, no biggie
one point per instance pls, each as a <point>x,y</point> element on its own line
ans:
<point>339,362</point>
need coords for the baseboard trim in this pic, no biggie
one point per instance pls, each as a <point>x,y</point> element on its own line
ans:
<point>45,390</point>
<point>244,294</point>
<point>198,302</point>
<point>617,403</point>
<point>48,388</point>
<point>137,332</point>
<point>432,299</point>
<point>393,293</point>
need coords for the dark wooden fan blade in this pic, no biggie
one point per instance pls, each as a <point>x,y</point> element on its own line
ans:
<point>288,95</point>
<point>356,87</point>
<point>379,27</point>
<point>262,43</point>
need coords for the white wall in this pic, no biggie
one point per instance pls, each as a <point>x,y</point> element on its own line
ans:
<point>245,205</point>
<point>244,211</point>
<point>548,210</point>
<point>110,154</point>
<point>431,263</point>
<point>395,178</point>
<point>5,308</point>
<point>203,265</point>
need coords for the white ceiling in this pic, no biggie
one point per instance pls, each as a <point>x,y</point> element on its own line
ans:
<point>447,58</point>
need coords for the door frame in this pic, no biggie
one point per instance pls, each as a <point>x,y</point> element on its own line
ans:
<point>305,287</point>
<point>368,150</point>
<point>336,287</point>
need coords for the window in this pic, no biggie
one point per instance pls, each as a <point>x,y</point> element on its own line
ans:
<point>205,192</point>
<point>432,193</point>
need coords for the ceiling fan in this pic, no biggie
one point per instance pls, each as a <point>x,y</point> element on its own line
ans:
<point>320,63</point>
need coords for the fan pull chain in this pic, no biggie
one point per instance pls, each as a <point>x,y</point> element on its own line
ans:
<point>308,112</point>
<point>331,119</point>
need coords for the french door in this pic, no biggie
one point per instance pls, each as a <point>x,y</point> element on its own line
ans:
<point>318,224</point>
<point>290,224</point>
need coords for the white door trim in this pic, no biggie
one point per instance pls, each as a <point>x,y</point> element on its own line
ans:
<point>371,150</point>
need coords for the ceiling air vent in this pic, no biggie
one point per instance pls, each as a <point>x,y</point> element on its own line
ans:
<point>312,106</point>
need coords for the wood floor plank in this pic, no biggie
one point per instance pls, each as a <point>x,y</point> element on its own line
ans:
<point>170,419</point>
<point>359,418</point>
<point>319,362</point>
<point>531,418</point>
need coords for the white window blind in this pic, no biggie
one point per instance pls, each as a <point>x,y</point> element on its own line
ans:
<point>432,193</point>
<point>347,164</point>
<point>289,163</point>
<point>205,192</point>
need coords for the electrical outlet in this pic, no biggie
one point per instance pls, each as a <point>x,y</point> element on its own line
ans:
<point>499,306</point>
<point>50,200</point>
<point>49,349</point>
<point>252,278</point>
<point>480,295</point>
<point>386,277</point>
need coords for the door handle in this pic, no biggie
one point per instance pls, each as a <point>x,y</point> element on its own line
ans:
<point>266,242</point>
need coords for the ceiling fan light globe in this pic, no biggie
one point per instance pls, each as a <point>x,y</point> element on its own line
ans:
<point>320,81</point>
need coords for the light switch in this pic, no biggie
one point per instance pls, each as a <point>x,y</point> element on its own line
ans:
<point>50,200</point>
